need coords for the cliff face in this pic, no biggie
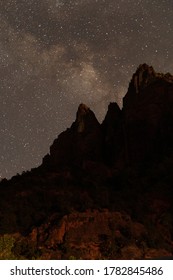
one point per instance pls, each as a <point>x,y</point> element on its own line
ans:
<point>83,141</point>
<point>138,134</point>
<point>148,114</point>
<point>104,190</point>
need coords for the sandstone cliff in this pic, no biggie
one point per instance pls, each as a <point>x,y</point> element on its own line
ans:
<point>104,190</point>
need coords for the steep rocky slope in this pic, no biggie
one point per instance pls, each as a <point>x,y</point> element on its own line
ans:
<point>104,190</point>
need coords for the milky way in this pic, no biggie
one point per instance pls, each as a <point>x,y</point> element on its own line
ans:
<point>55,54</point>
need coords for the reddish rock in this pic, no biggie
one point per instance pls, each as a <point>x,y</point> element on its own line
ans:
<point>124,165</point>
<point>131,252</point>
<point>94,234</point>
<point>157,254</point>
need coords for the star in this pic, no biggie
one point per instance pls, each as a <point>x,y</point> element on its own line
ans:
<point>57,54</point>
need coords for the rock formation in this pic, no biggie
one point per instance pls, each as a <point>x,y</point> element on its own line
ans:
<point>148,115</point>
<point>141,132</point>
<point>83,141</point>
<point>104,190</point>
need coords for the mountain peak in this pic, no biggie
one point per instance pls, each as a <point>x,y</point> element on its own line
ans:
<point>143,76</point>
<point>101,177</point>
<point>82,111</point>
<point>145,67</point>
<point>85,118</point>
<point>83,108</point>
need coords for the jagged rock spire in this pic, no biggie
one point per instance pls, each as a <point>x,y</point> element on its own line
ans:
<point>85,119</point>
<point>143,76</point>
<point>83,110</point>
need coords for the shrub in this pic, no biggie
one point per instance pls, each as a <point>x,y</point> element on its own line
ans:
<point>6,244</point>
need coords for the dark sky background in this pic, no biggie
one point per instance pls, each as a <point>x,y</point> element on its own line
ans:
<point>55,54</point>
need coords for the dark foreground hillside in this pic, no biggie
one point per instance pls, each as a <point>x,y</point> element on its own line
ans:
<point>105,191</point>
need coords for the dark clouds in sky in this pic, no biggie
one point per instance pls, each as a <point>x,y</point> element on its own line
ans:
<point>55,54</point>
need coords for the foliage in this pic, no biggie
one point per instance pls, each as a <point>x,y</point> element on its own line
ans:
<point>12,249</point>
<point>6,245</point>
<point>72,258</point>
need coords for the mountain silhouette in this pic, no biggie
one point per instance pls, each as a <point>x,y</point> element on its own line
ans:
<point>104,190</point>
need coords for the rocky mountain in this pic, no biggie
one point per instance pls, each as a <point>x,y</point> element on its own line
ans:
<point>104,190</point>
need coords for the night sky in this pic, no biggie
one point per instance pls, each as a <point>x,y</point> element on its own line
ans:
<point>55,54</point>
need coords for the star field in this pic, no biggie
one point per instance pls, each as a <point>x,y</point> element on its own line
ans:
<point>55,54</point>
